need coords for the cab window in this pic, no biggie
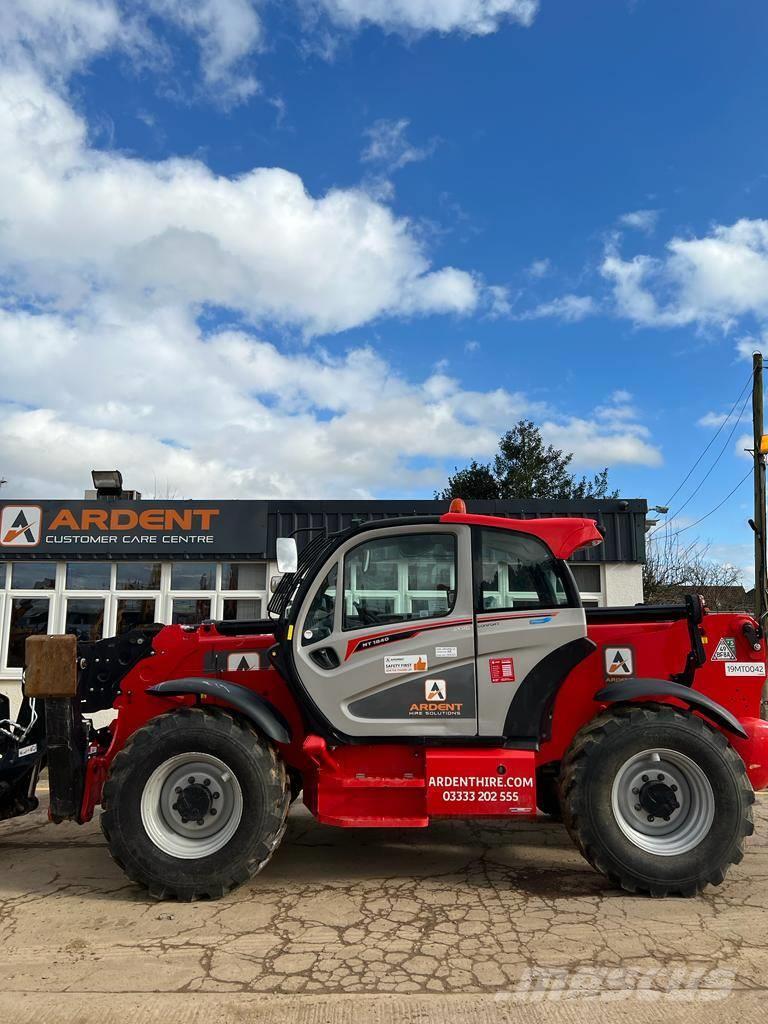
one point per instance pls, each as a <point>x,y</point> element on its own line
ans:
<point>519,572</point>
<point>319,621</point>
<point>398,579</point>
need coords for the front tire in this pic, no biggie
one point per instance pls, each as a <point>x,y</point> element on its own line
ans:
<point>195,804</point>
<point>656,799</point>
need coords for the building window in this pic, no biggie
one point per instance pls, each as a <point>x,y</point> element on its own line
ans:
<point>89,575</point>
<point>241,608</point>
<point>33,575</point>
<point>193,576</point>
<point>589,582</point>
<point>95,599</point>
<point>138,576</point>
<point>190,611</point>
<point>132,612</point>
<point>243,576</point>
<point>85,618</point>
<point>29,617</point>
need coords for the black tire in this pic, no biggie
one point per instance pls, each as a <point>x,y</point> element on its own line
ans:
<point>596,758</point>
<point>265,792</point>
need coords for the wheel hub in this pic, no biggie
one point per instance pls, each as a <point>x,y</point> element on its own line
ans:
<point>663,802</point>
<point>658,799</point>
<point>194,801</point>
<point>192,805</point>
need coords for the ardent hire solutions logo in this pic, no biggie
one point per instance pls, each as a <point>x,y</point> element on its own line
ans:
<point>20,526</point>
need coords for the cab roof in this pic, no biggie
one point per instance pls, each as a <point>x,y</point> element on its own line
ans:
<point>562,535</point>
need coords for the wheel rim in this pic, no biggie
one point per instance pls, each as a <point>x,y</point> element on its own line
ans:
<point>663,802</point>
<point>191,805</point>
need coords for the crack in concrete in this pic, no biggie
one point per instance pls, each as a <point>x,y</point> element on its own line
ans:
<point>462,907</point>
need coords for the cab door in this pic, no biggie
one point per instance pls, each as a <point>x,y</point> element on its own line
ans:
<point>384,641</point>
<point>527,609</point>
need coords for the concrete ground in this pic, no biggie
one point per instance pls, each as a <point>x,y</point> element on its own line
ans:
<point>460,923</point>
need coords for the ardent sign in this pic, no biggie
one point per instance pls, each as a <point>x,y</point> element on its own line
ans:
<point>119,519</point>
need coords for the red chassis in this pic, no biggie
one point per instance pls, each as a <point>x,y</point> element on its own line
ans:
<point>386,784</point>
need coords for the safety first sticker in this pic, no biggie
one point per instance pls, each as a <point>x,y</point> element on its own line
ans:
<point>502,670</point>
<point>725,650</point>
<point>398,664</point>
<point>619,662</point>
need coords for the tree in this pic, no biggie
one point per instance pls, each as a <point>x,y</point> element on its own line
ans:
<point>525,467</point>
<point>673,569</point>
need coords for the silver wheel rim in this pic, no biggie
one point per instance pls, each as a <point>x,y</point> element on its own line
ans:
<point>648,783</point>
<point>191,805</point>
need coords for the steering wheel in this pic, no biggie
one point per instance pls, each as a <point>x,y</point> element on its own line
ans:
<point>369,617</point>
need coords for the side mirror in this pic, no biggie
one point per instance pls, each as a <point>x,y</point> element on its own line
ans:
<point>273,582</point>
<point>287,554</point>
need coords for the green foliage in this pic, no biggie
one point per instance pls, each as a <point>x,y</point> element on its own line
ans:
<point>525,467</point>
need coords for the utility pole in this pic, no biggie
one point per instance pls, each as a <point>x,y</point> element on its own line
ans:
<point>760,512</point>
<point>759,481</point>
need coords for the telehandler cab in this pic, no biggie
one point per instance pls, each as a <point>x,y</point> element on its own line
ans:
<point>412,669</point>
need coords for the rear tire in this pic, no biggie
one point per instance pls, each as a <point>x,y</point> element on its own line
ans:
<point>656,800</point>
<point>195,804</point>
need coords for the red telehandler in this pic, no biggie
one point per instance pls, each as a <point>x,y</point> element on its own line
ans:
<point>411,669</point>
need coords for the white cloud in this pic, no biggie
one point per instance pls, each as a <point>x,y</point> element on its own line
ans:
<point>474,17</point>
<point>570,308</point>
<point>619,410</point>
<point>539,268</point>
<point>59,36</point>
<point>239,417</point>
<point>499,302</point>
<point>748,345</point>
<point>718,419</point>
<point>107,262</point>
<point>640,220</point>
<point>74,219</point>
<point>388,146</point>
<point>227,31</point>
<point>712,419</point>
<point>598,444</point>
<point>710,280</point>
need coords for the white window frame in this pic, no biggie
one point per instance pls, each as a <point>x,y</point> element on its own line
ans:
<point>163,597</point>
<point>591,595</point>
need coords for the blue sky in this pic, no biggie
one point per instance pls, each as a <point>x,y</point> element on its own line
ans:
<point>334,247</point>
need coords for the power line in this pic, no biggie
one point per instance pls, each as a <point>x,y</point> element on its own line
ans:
<point>712,510</point>
<point>720,454</point>
<point>711,442</point>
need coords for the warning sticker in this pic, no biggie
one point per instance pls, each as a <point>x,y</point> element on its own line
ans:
<point>446,652</point>
<point>619,662</point>
<point>435,689</point>
<point>725,650</point>
<point>243,661</point>
<point>398,664</point>
<point>502,670</point>
<point>745,668</point>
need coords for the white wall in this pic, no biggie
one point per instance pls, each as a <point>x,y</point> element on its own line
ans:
<point>623,584</point>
